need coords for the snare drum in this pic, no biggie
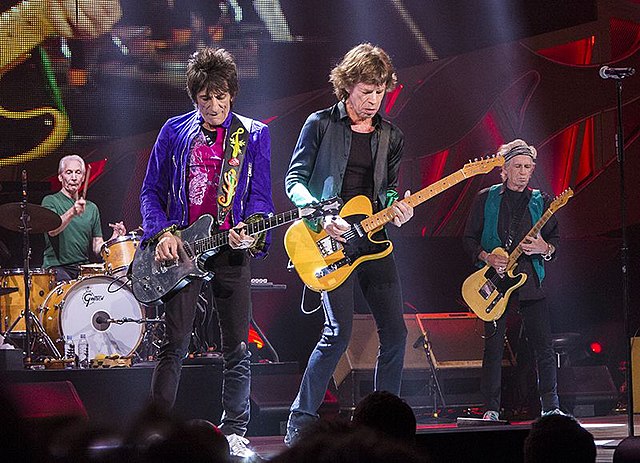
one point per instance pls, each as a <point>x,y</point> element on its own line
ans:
<point>118,253</point>
<point>12,304</point>
<point>84,306</point>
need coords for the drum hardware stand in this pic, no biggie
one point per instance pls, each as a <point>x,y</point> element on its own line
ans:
<point>121,321</point>
<point>149,335</point>
<point>39,334</point>
<point>32,219</point>
<point>151,340</point>
<point>30,320</point>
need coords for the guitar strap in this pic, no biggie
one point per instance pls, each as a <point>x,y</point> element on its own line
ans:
<point>381,161</point>
<point>234,151</point>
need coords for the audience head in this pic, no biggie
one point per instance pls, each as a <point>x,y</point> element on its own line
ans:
<point>388,414</point>
<point>558,438</point>
<point>340,442</point>
<point>158,436</point>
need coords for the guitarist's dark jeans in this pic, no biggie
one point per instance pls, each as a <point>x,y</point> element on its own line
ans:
<point>231,287</point>
<point>381,288</point>
<point>535,316</point>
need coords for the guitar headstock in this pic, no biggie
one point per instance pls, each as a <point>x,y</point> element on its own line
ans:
<point>482,166</point>
<point>561,200</point>
<point>318,210</point>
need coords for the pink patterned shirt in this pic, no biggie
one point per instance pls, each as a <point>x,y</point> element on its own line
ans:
<point>205,163</point>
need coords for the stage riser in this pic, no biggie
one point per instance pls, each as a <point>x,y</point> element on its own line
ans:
<point>115,397</point>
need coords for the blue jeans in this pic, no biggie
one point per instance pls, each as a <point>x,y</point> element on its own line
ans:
<point>231,292</point>
<point>380,286</point>
<point>535,316</point>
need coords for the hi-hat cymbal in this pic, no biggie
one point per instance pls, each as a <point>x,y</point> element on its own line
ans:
<point>41,219</point>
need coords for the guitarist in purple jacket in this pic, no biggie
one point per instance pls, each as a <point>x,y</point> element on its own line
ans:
<point>209,161</point>
<point>501,217</point>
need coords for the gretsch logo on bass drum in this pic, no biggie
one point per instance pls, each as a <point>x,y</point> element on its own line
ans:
<point>89,298</point>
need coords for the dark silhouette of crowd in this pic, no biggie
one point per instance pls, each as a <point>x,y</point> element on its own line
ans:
<point>382,429</point>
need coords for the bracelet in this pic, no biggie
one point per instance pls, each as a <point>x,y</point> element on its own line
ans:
<point>548,254</point>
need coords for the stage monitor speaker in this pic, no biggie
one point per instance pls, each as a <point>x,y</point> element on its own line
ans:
<point>586,391</point>
<point>455,340</point>
<point>455,349</point>
<point>47,400</point>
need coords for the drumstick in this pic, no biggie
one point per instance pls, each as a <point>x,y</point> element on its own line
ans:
<point>86,181</point>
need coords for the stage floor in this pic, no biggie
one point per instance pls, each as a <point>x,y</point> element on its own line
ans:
<point>607,431</point>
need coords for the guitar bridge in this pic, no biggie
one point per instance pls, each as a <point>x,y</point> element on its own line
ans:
<point>164,266</point>
<point>487,289</point>
<point>328,246</point>
<point>332,268</point>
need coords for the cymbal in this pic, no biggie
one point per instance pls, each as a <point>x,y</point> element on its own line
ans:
<point>41,219</point>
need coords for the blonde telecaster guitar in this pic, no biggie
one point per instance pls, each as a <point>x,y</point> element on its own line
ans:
<point>323,263</point>
<point>486,291</point>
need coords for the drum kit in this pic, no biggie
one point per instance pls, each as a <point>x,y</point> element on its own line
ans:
<point>100,304</point>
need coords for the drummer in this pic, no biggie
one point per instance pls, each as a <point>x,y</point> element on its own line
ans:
<point>69,246</point>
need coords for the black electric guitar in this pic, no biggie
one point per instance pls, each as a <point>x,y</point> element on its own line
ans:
<point>155,282</point>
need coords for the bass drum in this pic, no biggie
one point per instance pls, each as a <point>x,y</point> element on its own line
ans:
<point>85,306</point>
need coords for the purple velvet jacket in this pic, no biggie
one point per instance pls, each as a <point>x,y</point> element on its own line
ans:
<point>163,199</point>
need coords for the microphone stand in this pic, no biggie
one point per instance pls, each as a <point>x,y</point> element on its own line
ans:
<point>26,253</point>
<point>624,257</point>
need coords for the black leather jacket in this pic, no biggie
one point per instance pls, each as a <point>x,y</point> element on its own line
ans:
<point>320,157</point>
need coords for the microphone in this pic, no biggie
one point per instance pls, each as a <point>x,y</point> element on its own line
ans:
<point>419,341</point>
<point>102,320</point>
<point>616,73</point>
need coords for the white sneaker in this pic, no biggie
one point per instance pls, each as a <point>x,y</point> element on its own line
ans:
<point>491,415</point>
<point>238,446</point>
<point>555,411</point>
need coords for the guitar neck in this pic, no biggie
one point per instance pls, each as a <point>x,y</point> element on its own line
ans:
<point>220,239</point>
<point>517,252</point>
<point>387,215</point>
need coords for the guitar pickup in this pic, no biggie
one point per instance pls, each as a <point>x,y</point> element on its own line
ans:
<point>332,268</point>
<point>187,249</point>
<point>487,289</point>
<point>328,246</point>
